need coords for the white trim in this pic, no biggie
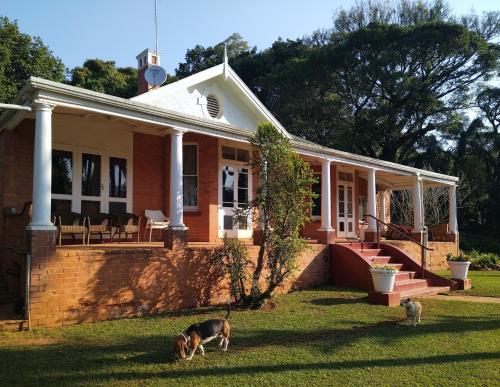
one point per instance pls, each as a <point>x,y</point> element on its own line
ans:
<point>194,208</point>
<point>345,184</point>
<point>243,234</point>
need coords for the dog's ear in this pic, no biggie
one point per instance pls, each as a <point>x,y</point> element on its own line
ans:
<point>408,299</point>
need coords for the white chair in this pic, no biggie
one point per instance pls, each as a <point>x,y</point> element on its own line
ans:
<point>155,219</point>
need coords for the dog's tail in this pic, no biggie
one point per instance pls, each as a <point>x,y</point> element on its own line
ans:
<point>228,308</point>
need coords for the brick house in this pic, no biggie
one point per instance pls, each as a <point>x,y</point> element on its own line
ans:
<point>181,148</point>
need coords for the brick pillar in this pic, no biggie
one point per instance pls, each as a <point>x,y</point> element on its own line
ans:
<point>176,239</point>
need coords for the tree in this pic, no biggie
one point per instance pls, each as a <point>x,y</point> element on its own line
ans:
<point>280,208</point>
<point>22,56</point>
<point>105,77</point>
<point>200,58</point>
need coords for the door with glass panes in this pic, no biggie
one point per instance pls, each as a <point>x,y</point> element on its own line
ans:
<point>235,192</point>
<point>345,205</point>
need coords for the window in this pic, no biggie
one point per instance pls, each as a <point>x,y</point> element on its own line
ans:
<point>190,175</point>
<point>362,207</point>
<point>117,177</point>
<point>346,176</point>
<point>230,153</point>
<point>91,175</point>
<point>62,172</point>
<point>316,202</point>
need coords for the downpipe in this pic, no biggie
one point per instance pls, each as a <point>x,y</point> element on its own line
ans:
<point>27,310</point>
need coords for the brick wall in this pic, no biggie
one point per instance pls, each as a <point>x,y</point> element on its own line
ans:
<point>82,285</point>
<point>436,259</point>
<point>152,181</point>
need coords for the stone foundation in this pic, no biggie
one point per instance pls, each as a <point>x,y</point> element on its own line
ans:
<point>436,259</point>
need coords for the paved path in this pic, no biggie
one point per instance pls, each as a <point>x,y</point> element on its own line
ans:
<point>491,300</point>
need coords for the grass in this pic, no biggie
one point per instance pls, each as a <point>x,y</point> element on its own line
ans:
<point>484,283</point>
<point>321,337</point>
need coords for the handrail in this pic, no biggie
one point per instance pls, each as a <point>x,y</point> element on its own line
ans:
<point>399,231</point>
<point>422,247</point>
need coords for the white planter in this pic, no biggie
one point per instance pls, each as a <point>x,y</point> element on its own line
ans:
<point>383,280</point>
<point>459,269</point>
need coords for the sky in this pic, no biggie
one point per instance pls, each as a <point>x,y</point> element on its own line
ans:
<point>76,30</point>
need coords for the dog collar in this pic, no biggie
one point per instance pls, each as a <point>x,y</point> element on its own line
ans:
<point>185,337</point>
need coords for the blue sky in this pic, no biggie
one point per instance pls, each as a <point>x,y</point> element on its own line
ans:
<point>120,29</point>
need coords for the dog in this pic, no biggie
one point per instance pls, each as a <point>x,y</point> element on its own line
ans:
<point>199,334</point>
<point>413,310</point>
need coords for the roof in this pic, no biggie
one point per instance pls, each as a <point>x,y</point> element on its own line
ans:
<point>221,70</point>
<point>134,109</point>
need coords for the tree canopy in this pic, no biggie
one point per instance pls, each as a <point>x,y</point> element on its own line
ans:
<point>105,77</point>
<point>22,56</point>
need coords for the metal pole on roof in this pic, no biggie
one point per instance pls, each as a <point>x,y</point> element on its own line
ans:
<point>156,25</point>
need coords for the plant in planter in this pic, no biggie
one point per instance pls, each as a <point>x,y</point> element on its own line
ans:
<point>459,266</point>
<point>383,277</point>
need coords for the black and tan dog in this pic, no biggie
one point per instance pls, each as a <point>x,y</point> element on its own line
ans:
<point>198,334</point>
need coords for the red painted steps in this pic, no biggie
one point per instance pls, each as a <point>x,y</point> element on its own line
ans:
<point>351,263</point>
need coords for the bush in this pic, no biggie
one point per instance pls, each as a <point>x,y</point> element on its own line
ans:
<point>479,243</point>
<point>478,260</point>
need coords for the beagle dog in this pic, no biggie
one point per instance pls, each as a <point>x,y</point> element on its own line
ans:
<point>199,334</point>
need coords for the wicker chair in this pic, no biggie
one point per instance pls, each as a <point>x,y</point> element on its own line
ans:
<point>70,223</point>
<point>99,224</point>
<point>128,224</point>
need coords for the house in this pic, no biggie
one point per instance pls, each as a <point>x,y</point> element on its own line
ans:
<point>182,148</point>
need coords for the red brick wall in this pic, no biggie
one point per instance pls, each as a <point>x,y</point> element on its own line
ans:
<point>151,174</point>
<point>203,222</point>
<point>77,285</point>
<point>152,182</point>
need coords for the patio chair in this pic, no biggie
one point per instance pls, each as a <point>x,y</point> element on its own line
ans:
<point>128,224</point>
<point>70,223</point>
<point>99,224</point>
<point>155,219</point>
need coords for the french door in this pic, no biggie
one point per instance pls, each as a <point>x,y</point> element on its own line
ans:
<point>235,184</point>
<point>345,210</point>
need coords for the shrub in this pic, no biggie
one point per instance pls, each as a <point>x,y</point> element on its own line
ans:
<point>457,258</point>
<point>478,260</point>
<point>383,267</point>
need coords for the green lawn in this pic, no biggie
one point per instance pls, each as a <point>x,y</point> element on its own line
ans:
<point>484,283</point>
<point>320,337</point>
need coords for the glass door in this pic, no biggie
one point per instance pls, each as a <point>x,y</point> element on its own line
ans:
<point>345,210</point>
<point>235,188</point>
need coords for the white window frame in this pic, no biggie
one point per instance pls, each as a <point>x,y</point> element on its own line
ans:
<point>193,208</point>
<point>318,175</point>
<point>354,199</point>
<point>76,197</point>
<point>243,234</point>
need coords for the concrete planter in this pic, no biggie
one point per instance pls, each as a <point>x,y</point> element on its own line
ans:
<point>383,280</point>
<point>459,270</point>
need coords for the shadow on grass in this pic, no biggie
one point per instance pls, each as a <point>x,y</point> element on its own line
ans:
<point>328,301</point>
<point>143,357</point>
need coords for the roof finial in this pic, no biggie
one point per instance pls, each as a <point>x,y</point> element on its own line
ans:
<point>226,63</point>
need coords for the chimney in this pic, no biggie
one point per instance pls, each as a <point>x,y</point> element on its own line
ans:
<point>144,60</point>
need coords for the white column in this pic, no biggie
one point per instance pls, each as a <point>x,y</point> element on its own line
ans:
<point>372,200</point>
<point>326,197</point>
<point>418,206</point>
<point>452,223</point>
<point>381,207</point>
<point>42,168</point>
<point>176,193</point>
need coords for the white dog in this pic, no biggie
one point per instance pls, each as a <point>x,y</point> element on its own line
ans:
<point>413,310</point>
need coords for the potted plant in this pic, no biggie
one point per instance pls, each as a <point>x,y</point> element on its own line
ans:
<point>459,266</point>
<point>383,277</point>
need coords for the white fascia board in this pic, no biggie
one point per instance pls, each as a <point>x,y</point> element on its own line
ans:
<point>187,82</point>
<point>368,162</point>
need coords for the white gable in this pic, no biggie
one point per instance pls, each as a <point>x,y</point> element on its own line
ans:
<point>239,106</point>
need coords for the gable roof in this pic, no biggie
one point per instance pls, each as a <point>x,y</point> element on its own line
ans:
<point>229,75</point>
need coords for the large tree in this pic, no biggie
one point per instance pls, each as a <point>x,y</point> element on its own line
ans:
<point>105,77</point>
<point>22,56</point>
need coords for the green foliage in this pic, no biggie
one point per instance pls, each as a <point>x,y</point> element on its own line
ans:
<point>457,258</point>
<point>22,56</point>
<point>105,77</point>
<point>479,242</point>
<point>232,259</point>
<point>280,210</point>
<point>478,260</point>
<point>387,268</point>
<point>201,58</point>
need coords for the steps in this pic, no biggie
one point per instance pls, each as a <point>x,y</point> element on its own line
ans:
<point>351,264</point>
